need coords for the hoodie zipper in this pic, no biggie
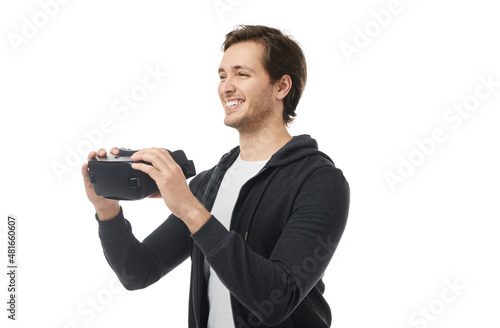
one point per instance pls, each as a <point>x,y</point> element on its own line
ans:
<point>247,229</point>
<point>268,182</point>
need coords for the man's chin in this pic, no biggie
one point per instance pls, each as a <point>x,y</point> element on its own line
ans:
<point>232,126</point>
<point>231,122</point>
<point>235,124</point>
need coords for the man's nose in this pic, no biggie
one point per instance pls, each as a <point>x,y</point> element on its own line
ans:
<point>228,86</point>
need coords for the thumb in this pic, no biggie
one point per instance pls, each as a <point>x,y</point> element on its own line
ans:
<point>85,174</point>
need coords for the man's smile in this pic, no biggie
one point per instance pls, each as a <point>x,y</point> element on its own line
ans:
<point>233,103</point>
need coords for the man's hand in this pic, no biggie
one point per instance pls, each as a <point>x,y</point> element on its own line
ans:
<point>105,208</point>
<point>172,185</point>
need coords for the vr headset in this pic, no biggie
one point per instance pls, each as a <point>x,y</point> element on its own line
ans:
<point>113,176</point>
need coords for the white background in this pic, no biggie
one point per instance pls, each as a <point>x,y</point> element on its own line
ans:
<point>402,248</point>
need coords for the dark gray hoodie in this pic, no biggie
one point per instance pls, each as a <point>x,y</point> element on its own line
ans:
<point>285,227</point>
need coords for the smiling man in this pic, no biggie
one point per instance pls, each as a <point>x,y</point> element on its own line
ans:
<point>262,225</point>
<point>246,91</point>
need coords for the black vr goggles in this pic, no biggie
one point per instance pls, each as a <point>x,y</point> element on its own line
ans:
<point>113,176</point>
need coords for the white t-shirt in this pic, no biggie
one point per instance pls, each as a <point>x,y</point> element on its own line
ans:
<point>221,315</point>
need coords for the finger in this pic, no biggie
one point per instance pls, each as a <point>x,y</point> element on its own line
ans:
<point>164,155</point>
<point>154,156</point>
<point>91,155</point>
<point>137,156</point>
<point>170,162</point>
<point>148,169</point>
<point>114,151</point>
<point>157,195</point>
<point>101,152</point>
<point>85,174</point>
<point>168,157</point>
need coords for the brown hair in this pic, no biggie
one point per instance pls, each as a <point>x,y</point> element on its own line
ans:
<point>282,56</point>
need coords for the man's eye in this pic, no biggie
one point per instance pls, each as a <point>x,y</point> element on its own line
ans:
<point>222,77</point>
<point>242,74</point>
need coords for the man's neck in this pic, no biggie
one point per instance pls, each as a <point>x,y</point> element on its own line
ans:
<point>262,144</point>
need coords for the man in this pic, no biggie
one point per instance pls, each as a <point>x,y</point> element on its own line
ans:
<point>262,225</point>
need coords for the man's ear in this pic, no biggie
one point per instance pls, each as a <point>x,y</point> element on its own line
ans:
<point>284,85</point>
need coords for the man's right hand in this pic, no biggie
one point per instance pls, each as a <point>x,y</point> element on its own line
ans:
<point>106,209</point>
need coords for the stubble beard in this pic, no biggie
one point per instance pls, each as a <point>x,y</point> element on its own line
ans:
<point>255,117</point>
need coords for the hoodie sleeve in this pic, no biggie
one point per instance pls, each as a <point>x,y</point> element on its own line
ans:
<point>272,288</point>
<point>140,264</point>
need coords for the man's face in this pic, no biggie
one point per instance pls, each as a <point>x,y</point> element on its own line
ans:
<point>245,88</point>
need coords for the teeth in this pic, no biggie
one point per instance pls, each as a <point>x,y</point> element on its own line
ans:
<point>233,103</point>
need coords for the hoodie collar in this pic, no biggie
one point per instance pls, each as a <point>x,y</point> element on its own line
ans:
<point>297,148</point>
